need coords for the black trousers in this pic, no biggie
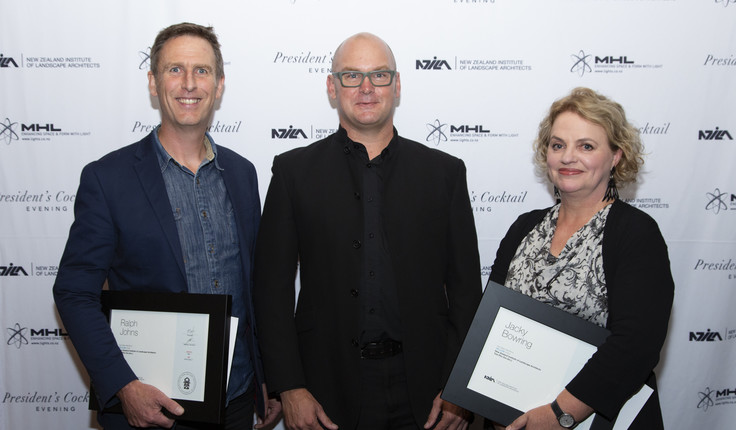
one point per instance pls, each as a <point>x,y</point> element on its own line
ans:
<point>385,404</point>
<point>238,415</point>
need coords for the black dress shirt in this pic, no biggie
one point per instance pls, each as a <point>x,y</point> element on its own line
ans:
<point>377,290</point>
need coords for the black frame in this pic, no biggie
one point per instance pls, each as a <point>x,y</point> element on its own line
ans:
<point>219,309</point>
<point>497,296</point>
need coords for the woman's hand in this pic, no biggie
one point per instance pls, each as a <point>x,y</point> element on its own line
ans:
<point>543,418</point>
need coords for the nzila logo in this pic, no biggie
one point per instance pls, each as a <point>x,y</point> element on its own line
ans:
<point>705,336</point>
<point>11,270</point>
<point>287,133</point>
<point>716,134</point>
<point>433,64</point>
<point>7,61</point>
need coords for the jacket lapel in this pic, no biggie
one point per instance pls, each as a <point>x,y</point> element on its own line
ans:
<point>149,173</point>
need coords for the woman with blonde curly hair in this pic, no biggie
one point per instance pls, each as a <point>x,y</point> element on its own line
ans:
<point>595,257</point>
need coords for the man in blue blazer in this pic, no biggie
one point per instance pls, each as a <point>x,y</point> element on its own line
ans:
<point>170,213</point>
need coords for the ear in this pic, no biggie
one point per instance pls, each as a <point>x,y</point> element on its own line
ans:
<point>331,90</point>
<point>152,84</point>
<point>617,156</point>
<point>398,85</point>
<point>220,87</point>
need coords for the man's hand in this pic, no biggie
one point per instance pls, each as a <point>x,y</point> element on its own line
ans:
<point>451,417</point>
<point>303,412</point>
<point>143,403</point>
<point>273,411</point>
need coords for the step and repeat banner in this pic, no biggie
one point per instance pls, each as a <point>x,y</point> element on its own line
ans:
<point>477,77</point>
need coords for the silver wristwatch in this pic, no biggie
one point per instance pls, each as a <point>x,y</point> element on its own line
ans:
<point>566,420</point>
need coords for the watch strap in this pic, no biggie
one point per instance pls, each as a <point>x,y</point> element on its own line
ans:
<point>566,420</point>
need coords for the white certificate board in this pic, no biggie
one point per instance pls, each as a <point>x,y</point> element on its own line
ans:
<point>165,349</point>
<point>520,354</point>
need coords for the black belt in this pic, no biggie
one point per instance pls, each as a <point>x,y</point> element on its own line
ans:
<point>381,349</point>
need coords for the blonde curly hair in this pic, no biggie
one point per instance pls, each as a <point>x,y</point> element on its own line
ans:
<point>601,111</point>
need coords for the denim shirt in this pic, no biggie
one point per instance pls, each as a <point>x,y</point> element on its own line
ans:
<point>209,243</point>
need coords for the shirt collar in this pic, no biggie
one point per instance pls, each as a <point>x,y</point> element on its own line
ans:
<point>164,158</point>
<point>349,145</point>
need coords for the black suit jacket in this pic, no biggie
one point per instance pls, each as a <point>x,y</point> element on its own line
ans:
<point>313,216</point>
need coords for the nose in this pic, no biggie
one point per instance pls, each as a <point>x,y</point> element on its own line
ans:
<point>568,154</point>
<point>366,87</point>
<point>189,82</point>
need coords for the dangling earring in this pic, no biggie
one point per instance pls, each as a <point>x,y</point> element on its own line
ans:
<point>557,193</point>
<point>611,190</point>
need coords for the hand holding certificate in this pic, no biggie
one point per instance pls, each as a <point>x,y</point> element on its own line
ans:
<point>178,343</point>
<point>520,354</point>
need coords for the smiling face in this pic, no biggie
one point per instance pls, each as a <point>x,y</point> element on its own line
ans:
<point>186,84</point>
<point>579,157</point>
<point>367,108</point>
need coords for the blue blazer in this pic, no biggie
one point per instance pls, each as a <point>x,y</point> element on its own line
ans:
<point>124,234</point>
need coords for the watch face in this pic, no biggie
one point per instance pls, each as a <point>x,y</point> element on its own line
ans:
<point>567,421</point>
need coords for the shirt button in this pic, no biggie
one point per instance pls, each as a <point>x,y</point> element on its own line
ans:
<point>356,244</point>
<point>354,342</point>
<point>204,214</point>
<point>346,150</point>
<point>372,273</point>
<point>371,235</point>
<point>354,293</point>
<point>369,165</point>
<point>372,311</point>
<point>357,196</point>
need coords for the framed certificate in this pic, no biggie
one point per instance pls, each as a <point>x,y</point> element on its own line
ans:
<point>520,354</point>
<point>177,342</point>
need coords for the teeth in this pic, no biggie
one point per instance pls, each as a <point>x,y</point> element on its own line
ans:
<point>188,101</point>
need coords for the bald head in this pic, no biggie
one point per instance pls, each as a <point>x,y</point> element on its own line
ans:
<point>366,111</point>
<point>353,45</point>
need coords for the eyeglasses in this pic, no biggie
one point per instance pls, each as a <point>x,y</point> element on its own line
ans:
<point>352,79</point>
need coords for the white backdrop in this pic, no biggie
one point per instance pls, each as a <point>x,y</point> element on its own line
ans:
<point>477,77</point>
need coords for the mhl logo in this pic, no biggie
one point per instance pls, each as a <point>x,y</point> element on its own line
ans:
<point>7,61</point>
<point>612,60</point>
<point>287,133</point>
<point>433,64</point>
<point>714,134</point>
<point>38,127</point>
<point>468,129</point>
<point>47,332</point>
<point>12,270</point>
<point>725,393</point>
<point>707,336</point>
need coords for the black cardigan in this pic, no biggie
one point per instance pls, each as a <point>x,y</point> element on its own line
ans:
<point>640,294</point>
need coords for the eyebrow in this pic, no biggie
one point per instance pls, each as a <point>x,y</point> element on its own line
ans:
<point>196,66</point>
<point>581,140</point>
<point>357,69</point>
